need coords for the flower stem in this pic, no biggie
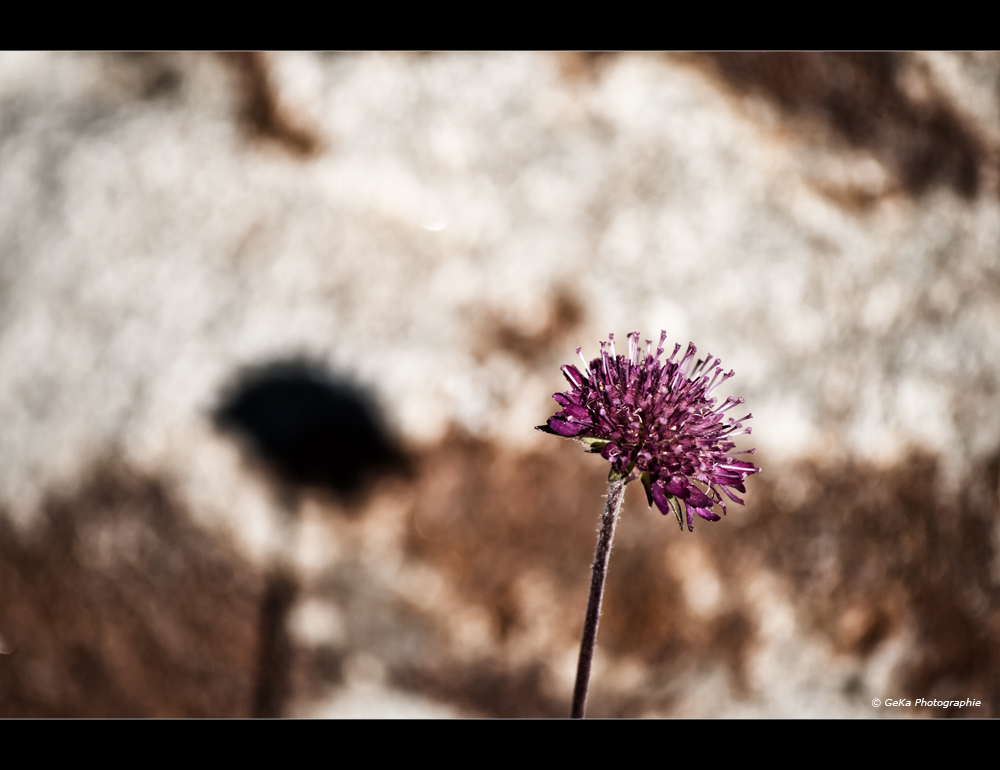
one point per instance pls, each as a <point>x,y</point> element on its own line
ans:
<point>616,493</point>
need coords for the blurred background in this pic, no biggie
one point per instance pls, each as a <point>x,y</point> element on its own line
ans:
<point>275,330</point>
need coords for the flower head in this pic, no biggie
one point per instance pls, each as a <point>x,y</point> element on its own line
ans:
<point>657,420</point>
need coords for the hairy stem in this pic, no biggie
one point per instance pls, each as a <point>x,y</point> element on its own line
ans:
<point>616,493</point>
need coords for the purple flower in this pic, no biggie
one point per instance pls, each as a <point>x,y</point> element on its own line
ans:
<point>657,420</point>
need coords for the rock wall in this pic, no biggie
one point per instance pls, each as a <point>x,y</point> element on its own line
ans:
<point>439,232</point>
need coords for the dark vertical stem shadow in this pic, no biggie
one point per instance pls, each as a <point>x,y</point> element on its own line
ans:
<point>313,432</point>
<point>274,659</point>
<point>273,680</point>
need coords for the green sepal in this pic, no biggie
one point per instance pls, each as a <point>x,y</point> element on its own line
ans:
<point>675,504</point>
<point>596,444</point>
<point>614,475</point>
<point>647,484</point>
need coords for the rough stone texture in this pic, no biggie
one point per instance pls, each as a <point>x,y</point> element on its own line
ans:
<point>443,231</point>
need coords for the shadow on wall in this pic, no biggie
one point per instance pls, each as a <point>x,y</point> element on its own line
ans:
<point>116,605</point>
<point>311,431</point>
<point>311,428</point>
